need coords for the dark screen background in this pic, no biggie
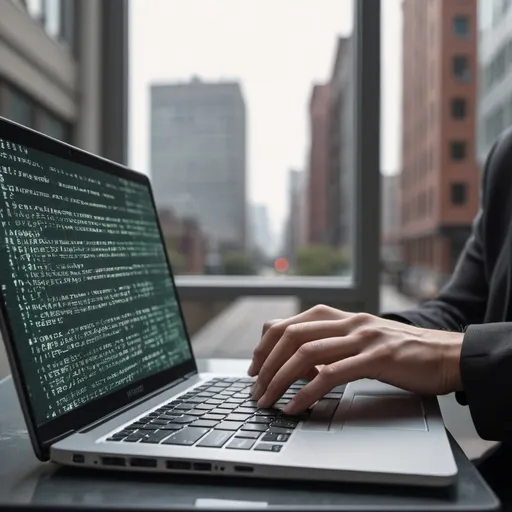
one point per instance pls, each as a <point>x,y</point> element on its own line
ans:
<point>84,279</point>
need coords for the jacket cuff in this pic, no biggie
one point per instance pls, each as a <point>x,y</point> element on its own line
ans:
<point>485,375</point>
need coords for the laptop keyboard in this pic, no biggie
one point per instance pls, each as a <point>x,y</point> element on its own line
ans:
<point>218,414</point>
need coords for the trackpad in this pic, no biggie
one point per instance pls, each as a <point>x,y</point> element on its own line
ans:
<point>391,412</point>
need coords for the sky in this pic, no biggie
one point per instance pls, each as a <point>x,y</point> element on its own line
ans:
<point>277,50</point>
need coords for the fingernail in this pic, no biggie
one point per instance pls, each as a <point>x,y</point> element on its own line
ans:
<point>262,402</point>
<point>256,391</point>
<point>290,407</point>
<point>250,371</point>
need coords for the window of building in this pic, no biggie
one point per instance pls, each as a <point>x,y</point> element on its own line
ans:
<point>18,107</point>
<point>459,193</point>
<point>54,127</point>
<point>461,26</point>
<point>459,108</point>
<point>460,68</point>
<point>458,150</point>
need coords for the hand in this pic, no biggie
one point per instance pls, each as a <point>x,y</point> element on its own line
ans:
<point>352,346</point>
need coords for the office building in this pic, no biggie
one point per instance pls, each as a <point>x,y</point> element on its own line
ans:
<point>319,115</point>
<point>495,64</point>
<point>439,180</point>
<point>340,174</point>
<point>198,156</point>
<point>64,71</point>
<point>261,237</point>
<point>294,228</point>
<point>390,218</point>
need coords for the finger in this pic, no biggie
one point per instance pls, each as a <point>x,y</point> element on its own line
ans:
<point>335,374</point>
<point>325,351</point>
<point>266,326</point>
<point>274,333</point>
<point>293,338</point>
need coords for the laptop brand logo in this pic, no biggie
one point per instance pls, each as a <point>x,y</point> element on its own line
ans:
<point>135,391</point>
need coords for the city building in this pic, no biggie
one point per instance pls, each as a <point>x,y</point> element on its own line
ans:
<point>340,175</point>
<point>439,180</point>
<point>261,236</point>
<point>390,219</point>
<point>495,64</point>
<point>64,71</point>
<point>186,245</point>
<point>198,156</point>
<point>293,227</point>
<point>319,115</point>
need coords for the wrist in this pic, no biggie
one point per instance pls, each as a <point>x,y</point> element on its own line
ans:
<point>451,362</point>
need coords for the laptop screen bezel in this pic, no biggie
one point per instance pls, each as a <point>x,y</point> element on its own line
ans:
<point>44,435</point>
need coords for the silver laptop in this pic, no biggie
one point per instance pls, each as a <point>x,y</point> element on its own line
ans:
<point>103,365</point>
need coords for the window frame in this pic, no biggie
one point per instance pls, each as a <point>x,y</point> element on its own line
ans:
<point>458,17</point>
<point>464,77</point>
<point>361,293</point>
<point>463,144</point>
<point>461,101</point>
<point>462,187</point>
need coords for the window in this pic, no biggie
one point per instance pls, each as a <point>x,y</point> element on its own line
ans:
<point>461,26</point>
<point>458,193</point>
<point>54,127</point>
<point>458,150</point>
<point>18,107</point>
<point>460,68</point>
<point>459,108</point>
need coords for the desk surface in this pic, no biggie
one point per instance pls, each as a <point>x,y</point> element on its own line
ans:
<point>27,484</point>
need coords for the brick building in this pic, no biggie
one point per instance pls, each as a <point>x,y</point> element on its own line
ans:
<point>439,180</point>
<point>319,113</point>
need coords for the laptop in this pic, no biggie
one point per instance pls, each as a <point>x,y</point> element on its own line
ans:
<point>104,367</point>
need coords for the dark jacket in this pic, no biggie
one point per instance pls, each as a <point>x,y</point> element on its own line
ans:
<point>478,301</point>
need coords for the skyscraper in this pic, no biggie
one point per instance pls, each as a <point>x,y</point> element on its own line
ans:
<point>439,180</point>
<point>495,63</point>
<point>198,156</point>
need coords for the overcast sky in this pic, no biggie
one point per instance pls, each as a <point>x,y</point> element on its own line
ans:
<point>276,49</point>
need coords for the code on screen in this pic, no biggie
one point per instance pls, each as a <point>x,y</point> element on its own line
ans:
<point>84,279</point>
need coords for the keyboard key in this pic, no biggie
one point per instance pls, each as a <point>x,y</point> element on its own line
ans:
<point>241,444</point>
<point>248,435</point>
<point>250,403</point>
<point>195,400</point>
<point>135,438</point>
<point>205,394</point>
<point>247,380</point>
<point>242,395</point>
<point>334,396</point>
<point>266,412</point>
<point>214,401</point>
<point>172,426</point>
<point>247,410</point>
<point>284,424</point>
<point>235,400</point>
<point>204,407</point>
<point>339,389</point>
<point>150,427</point>
<point>229,425</point>
<point>238,417</point>
<point>224,412</point>
<point>187,405</point>
<point>217,417</point>
<point>159,421</point>
<point>215,439</point>
<point>184,419</point>
<point>221,384</point>
<point>197,413</point>
<point>262,447</point>
<point>187,436</point>
<point>205,423</point>
<point>116,439</point>
<point>169,417</point>
<point>228,406</point>
<point>279,430</point>
<point>275,438</point>
<point>215,389</point>
<point>262,420</point>
<point>156,437</point>
<point>254,427</point>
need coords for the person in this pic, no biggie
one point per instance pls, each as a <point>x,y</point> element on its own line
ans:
<point>460,341</point>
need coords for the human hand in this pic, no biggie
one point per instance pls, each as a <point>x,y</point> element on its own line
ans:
<point>352,346</point>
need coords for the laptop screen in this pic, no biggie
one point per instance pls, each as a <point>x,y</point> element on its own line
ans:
<point>85,281</point>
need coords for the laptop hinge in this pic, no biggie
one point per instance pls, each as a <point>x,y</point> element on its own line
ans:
<point>58,438</point>
<point>131,405</point>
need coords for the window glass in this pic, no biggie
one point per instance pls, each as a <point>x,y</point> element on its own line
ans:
<point>458,194</point>
<point>461,26</point>
<point>19,107</point>
<point>459,108</point>
<point>458,150</point>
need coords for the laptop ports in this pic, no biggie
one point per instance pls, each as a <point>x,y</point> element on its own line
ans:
<point>113,461</point>
<point>179,465</point>
<point>143,463</point>
<point>202,466</point>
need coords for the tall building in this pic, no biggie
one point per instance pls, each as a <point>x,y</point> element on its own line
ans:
<point>261,237</point>
<point>319,115</point>
<point>439,180</point>
<point>293,228</point>
<point>495,63</point>
<point>390,218</point>
<point>340,175</point>
<point>64,71</point>
<point>198,156</point>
